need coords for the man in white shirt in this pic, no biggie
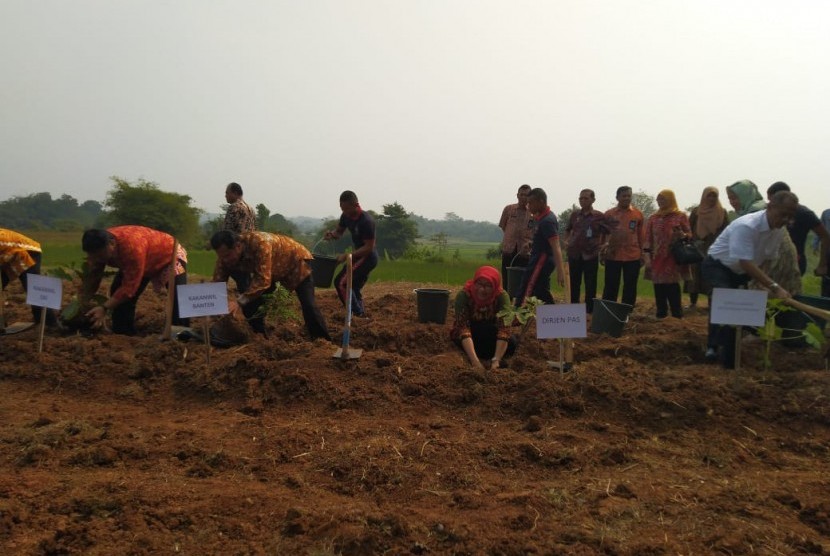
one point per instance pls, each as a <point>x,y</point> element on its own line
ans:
<point>735,258</point>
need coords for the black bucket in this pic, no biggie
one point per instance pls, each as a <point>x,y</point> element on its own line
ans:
<point>432,304</point>
<point>609,317</point>
<point>794,322</point>
<point>322,270</point>
<point>514,280</point>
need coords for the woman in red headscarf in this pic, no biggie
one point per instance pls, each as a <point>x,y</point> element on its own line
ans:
<point>477,329</point>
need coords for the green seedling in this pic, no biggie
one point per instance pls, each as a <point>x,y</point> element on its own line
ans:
<point>771,332</point>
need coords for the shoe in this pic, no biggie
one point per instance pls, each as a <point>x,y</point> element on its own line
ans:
<point>711,355</point>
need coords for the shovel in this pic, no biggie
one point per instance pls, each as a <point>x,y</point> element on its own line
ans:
<point>15,328</point>
<point>809,309</point>
<point>344,353</point>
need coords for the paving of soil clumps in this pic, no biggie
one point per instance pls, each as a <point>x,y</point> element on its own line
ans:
<point>116,445</point>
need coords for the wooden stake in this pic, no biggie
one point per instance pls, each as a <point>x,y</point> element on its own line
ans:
<point>569,343</point>
<point>42,329</point>
<point>206,324</point>
<point>738,331</point>
<point>171,294</point>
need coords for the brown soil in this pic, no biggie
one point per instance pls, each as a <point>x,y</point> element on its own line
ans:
<point>116,445</point>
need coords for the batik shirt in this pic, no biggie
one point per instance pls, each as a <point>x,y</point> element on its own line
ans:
<point>586,231</point>
<point>140,253</point>
<point>466,313</point>
<point>515,222</point>
<point>627,233</point>
<point>240,217</point>
<point>14,253</point>
<point>269,258</point>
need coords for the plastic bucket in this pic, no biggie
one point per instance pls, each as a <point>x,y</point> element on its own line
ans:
<point>322,270</point>
<point>322,267</point>
<point>609,317</point>
<point>793,322</point>
<point>514,280</point>
<point>432,304</point>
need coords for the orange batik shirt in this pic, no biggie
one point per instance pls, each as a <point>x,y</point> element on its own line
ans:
<point>141,253</point>
<point>14,252</point>
<point>269,258</point>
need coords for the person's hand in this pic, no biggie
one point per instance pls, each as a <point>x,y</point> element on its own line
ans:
<point>234,308</point>
<point>98,316</point>
<point>560,277</point>
<point>477,365</point>
<point>494,364</point>
<point>779,292</point>
<point>341,258</point>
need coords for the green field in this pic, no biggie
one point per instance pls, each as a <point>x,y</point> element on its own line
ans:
<point>64,248</point>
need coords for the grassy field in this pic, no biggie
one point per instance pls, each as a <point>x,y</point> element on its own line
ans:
<point>63,248</point>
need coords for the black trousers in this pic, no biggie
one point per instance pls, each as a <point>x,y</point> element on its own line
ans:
<point>668,296</point>
<point>123,316</point>
<point>484,335</point>
<point>721,336</point>
<point>315,323</point>
<point>577,269</point>
<point>630,272</point>
<point>360,275</point>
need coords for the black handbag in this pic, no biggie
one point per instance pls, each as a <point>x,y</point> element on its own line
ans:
<point>685,251</point>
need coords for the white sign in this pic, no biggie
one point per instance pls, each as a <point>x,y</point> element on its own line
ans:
<point>203,300</point>
<point>44,291</point>
<point>561,321</point>
<point>739,307</point>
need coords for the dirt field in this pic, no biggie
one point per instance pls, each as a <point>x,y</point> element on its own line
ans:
<point>115,445</point>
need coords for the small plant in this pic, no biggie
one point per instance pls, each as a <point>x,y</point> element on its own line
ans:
<point>277,306</point>
<point>771,332</point>
<point>73,315</point>
<point>523,314</point>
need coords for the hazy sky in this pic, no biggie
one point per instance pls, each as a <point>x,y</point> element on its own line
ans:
<point>440,105</point>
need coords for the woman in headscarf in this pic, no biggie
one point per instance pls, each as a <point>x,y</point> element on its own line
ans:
<point>477,329</point>
<point>745,198</point>
<point>707,221</point>
<point>665,226</point>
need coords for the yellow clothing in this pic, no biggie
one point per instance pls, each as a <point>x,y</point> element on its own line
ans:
<point>14,253</point>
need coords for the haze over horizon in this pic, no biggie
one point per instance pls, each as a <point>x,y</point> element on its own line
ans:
<point>440,106</point>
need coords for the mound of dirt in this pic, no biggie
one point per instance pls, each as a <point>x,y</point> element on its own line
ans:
<point>117,445</point>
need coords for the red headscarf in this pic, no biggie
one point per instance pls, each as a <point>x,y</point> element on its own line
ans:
<point>491,275</point>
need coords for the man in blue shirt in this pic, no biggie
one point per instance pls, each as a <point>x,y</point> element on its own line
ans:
<point>545,252</point>
<point>364,254</point>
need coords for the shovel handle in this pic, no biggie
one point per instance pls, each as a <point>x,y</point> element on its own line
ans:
<point>809,309</point>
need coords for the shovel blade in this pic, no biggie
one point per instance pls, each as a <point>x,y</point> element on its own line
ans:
<point>18,327</point>
<point>350,353</point>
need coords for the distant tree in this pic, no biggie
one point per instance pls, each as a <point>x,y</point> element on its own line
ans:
<point>262,214</point>
<point>396,230</point>
<point>645,202</point>
<point>564,217</point>
<point>40,211</point>
<point>280,224</point>
<point>144,204</point>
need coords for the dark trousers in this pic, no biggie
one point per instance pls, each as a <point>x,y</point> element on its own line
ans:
<point>668,296</point>
<point>315,323</point>
<point>511,259</point>
<point>484,335</point>
<point>825,286</point>
<point>123,316</point>
<point>630,271</point>
<point>360,275</point>
<point>721,336</point>
<point>578,268</point>
<point>34,269</point>
<point>536,281</point>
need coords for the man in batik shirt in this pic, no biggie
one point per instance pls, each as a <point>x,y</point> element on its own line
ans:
<point>267,259</point>
<point>141,255</point>
<point>20,257</point>
<point>240,217</point>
